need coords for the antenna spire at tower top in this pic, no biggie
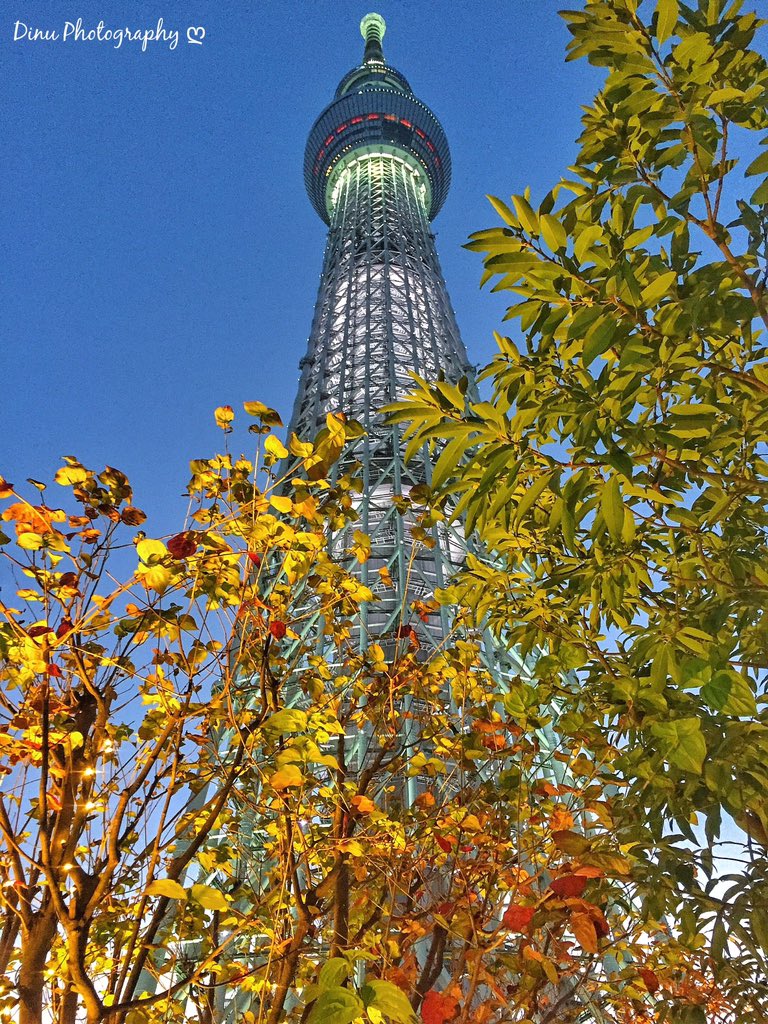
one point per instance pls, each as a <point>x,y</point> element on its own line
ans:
<point>372,29</point>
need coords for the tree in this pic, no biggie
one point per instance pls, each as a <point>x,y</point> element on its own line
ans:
<point>617,475</point>
<point>188,832</point>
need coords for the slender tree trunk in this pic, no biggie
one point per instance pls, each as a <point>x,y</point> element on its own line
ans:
<point>69,1007</point>
<point>36,944</point>
<point>287,974</point>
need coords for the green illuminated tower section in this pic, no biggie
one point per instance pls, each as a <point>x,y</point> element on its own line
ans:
<point>377,169</point>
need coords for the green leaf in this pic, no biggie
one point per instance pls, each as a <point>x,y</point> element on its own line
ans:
<point>333,973</point>
<point>528,218</point>
<point>167,887</point>
<point>599,339</point>
<point>723,95</point>
<point>335,1005</point>
<point>150,551</point>
<point>659,287</point>
<point>729,692</point>
<point>636,238</point>
<point>612,507</point>
<point>531,495</point>
<point>449,460</point>
<point>758,166</point>
<point>666,19</point>
<point>759,921</point>
<point>553,232</point>
<point>585,239</point>
<point>682,743</point>
<point>392,1001</point>
<point>503,211</point>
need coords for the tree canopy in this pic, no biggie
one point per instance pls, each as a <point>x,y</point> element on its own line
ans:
<point>617,474</point>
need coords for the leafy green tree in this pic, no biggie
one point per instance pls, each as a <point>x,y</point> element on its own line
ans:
<point>617,475</point>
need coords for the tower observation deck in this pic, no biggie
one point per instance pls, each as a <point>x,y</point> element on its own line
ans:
<point>377,169</point>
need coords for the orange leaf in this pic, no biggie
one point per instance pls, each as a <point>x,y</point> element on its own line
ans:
<point>561,820</point>
<point>650,979</point>
<point>438,1008</point>
<point>362,804</point>
<point>584,931</point>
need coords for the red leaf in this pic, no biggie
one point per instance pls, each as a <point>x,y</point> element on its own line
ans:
<point>444,844</point>
<point>650,979</point>
<point>277,629</point>
<point>255,557</point>
<point>518,919</point>
<point>602,927</point>
<point>53,670</point>
<point>39,630</point>
<point>182,545</point>
<point>568,886</point>
<point>64,627</point>
<point>438,1008</point>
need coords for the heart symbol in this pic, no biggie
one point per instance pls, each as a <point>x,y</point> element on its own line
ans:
<point>196,35</point>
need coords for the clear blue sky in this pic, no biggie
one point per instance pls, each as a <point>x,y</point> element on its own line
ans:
<point>160,256</point>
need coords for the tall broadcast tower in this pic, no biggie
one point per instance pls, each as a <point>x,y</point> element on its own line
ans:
<point>377,169</point>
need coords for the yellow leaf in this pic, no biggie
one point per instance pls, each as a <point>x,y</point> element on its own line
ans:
<point>30,541</point>
<point>281,503</point>
<point>208,897</point>
<point>351,846</point>
<point>224,416</point>
<point>255,408</point>
<point>376,654</point>
<point>157,577</point>
<point>150,551</point>
<point>302,449</point>
<point>68,475</point>
<point>275,447</point>
<point>167,887</point>
<point>286,777</point>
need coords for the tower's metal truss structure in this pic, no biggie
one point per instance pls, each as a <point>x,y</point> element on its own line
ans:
<point>377,170</point>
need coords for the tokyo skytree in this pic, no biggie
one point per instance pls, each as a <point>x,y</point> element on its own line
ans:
<point>377,169</point>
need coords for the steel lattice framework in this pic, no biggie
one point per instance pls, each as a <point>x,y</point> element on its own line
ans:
<point>377,169</point>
